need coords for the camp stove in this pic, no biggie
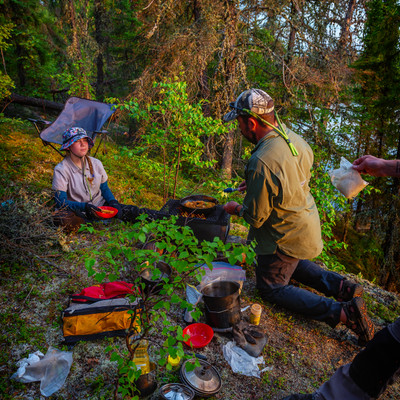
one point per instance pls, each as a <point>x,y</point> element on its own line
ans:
<point>205,227</point>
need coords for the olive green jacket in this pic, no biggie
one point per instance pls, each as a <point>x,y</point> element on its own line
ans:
<point>278,203</point>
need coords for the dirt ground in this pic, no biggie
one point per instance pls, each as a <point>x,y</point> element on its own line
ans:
<point>301,354</point>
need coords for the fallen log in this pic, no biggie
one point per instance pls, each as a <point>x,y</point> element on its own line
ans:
<point>36,102</point>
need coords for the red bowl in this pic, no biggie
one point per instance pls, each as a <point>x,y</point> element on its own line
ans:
<point>107,214</point>
<point>199,335</point>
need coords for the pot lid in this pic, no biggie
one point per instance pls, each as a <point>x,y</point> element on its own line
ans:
<point>204,380</point>
<point>176,391</point>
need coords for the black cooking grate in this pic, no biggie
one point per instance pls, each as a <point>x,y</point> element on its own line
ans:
<point>217,217</point>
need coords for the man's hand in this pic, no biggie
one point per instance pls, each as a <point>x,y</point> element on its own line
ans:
<point>376,166</point>
<point>232,207</point>
<point>242,187</point>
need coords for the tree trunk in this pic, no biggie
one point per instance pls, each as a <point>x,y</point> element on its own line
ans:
<point>99,35</point>
<point>177,171</point>
<point>33,101</point>
<point>230,78</point>
<point>226,165</point>
<point>20,66</point>
<point>345,31</point>
<point>287,72</point>
<point>209,151</point>
<point>75,46</point>
<point>81,71</point>
<point>292,38</point>
<point>196,10</point>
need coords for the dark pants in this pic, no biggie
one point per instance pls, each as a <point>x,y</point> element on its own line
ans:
<point>273,273</point>
<point>376,366</point>
<point>371,371</point>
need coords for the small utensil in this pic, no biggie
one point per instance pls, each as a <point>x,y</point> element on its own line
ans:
<point>230,190</point>
<point>197,355</point>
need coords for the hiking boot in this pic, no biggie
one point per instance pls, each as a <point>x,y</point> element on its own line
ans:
<point>349,290</point>
<point>358,321</point>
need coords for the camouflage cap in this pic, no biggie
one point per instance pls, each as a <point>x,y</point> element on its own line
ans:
<point>255,100</point>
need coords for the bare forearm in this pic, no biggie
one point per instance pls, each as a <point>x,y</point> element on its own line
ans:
<point>392,168</point>
<point>386,168</point>
<point>377,166</point>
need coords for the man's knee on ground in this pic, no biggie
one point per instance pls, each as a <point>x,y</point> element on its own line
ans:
<point>268,291</point>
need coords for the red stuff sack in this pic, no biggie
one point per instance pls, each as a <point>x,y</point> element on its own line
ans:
<point>104,291</point>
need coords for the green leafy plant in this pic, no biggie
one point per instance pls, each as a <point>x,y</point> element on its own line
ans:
<point>329,203</point>
<point>76,79</point>
<point>6,83</point>
<point>144,245</point>
<point>173,130</point>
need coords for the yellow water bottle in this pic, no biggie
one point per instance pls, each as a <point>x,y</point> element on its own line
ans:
<point>141,357</point>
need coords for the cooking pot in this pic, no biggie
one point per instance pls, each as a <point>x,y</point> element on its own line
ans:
<point>155,284</point>
<point>198,197</point>
<point>222,304</point>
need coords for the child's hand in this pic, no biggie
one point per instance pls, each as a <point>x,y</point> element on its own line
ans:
<point>91,210</point>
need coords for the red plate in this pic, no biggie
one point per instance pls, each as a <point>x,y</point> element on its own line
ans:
<point>107,214</point>
<point>199,334</point>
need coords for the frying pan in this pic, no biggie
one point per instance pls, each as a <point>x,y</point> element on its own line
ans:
<point>198,197</point>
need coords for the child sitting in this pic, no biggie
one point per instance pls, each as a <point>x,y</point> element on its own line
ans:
<point>80,182</point>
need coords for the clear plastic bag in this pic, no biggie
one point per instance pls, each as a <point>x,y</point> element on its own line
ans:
<point>222,271</point>
<point>193,296</point>
<point>51,370</point>
<point>347,180</point>
<point>241,362</point>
